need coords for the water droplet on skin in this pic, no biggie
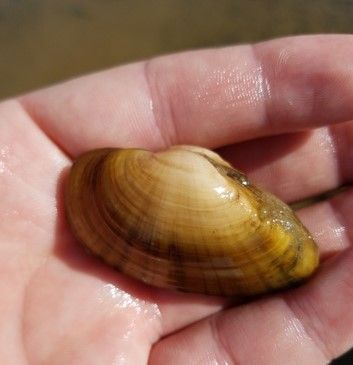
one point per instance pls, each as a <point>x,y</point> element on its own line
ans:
<point>122,300</point>
<point>4,156</point>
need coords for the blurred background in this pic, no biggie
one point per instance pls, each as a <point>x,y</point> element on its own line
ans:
<point>43,42</point>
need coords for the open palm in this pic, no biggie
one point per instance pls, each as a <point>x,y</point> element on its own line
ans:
<point>282,108</point>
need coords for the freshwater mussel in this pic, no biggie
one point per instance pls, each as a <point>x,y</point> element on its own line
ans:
<point>185,219</point>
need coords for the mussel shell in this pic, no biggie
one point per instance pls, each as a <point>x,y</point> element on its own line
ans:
<point>185,219</point>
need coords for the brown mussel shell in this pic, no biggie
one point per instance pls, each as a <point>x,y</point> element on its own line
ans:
<point>185,219</point>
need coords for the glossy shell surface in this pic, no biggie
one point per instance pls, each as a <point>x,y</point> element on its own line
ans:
<point>185,219</point>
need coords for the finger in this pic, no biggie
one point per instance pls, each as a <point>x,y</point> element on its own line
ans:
<point>311,324</point>
<point>262,333</point>
<point>211,97</point>
<point>297,165</point>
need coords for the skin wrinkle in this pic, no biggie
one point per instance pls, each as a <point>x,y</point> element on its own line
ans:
<point>22,328</point>
<point>322,142</point>
<point>5,160</point>
<point>294,320</point>
<point>314,87</point>
<point>283,61</point>
<point>338,140</point>
<point>310,331</point>
<point>339,216</point>
<point>156,121</point>
<point>25,105</point>
<point>37,128</point>
<point>325,231</point>
<point>335,150</point>
<point>237,86</point>
<point>318,341</point>
<point>222,345</point>
<point>168,134</point>
<point>31,218</point>
<point>266,85</point>
<point>271,75</point>
<point>17,178</point>
<point>254,81</point>
<point>24,310</point>
<point>284,56</point>
<point>24,307</point>
<point>328,146</point>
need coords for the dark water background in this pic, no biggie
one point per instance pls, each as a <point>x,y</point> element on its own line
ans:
<point>42,42</point>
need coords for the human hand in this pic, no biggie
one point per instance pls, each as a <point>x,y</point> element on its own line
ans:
<point>61,306</point>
